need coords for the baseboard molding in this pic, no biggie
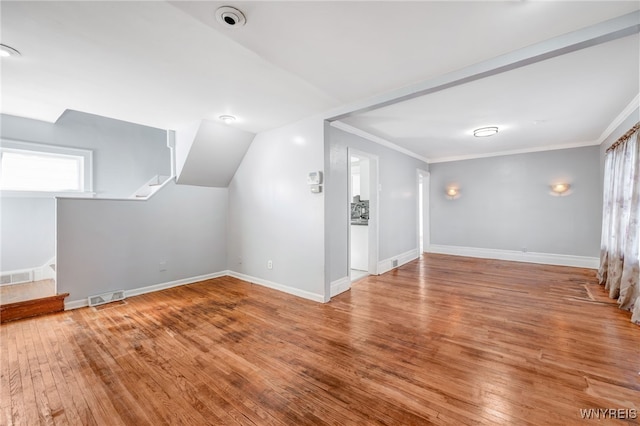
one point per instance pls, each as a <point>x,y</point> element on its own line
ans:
<point>387,264</point>
<point>277,286</point>
<point>46,271</point>
<point>37,273</point>
<point>75,304</point>
<point>517,256</point>
<point>340,286</point>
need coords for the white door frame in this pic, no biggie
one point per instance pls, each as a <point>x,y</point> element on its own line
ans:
<point>426,241</point>
<point>374,209</point>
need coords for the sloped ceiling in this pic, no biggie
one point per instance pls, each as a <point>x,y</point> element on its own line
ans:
<point>168,65</point>
<point>209,153</point>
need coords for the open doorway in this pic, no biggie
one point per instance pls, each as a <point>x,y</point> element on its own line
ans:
<point>423,211</point>
<point>363,218</point>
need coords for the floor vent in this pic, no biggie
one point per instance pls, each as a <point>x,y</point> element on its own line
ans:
<point>394,262</point>
<point>16,278</point>
<point>101,299</point>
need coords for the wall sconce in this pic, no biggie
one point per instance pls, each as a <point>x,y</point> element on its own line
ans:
<point>452,192</point>
<point>560,188</point>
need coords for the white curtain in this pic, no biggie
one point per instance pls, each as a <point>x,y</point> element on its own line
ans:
<point>620,249</point>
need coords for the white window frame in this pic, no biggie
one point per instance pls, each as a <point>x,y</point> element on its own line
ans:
<point>36,148</point>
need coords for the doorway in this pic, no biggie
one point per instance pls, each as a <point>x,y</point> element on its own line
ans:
<point>423,211</point>
<point>363,214</point>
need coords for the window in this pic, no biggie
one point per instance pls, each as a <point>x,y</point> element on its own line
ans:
<point>44,168</point>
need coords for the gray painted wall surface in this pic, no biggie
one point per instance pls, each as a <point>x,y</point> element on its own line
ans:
<point>106,245</point>
<point>506,203</point>
<point>27,232</point>
<point>272,213</point>
<point>398,199</point>
<point>125,156</point>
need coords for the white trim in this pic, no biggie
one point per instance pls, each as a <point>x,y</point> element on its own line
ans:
<point>624,114</point>
<point>45,272</point>
<point>276,286</point>
<point>573,41</point>
<point>7,193</point>
<point>373,138</point>
<point>373,228</point>
<point>150,196</point>
<point>386,265</point>
<point>376,139</point>
<point>425,219</point>
<point>517,256</point>
<point>75,304</point>
<point>513,152</point>
<point>340,286</point>
<point>149,189</point>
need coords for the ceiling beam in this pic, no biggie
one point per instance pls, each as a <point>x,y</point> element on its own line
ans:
<point>602,32</point>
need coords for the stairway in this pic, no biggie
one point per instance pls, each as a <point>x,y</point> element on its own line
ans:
<point>150,188</point>
<point>31,308</point>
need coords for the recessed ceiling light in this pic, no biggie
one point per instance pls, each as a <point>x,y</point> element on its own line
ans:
<point>6,51</point>
<point>485,131</point>
<point>230,17</point>
<point>228,119</point>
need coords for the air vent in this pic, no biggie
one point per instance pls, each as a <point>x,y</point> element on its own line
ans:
<point>16,278</point>
<point>394,262</point>
<point>101,299</point>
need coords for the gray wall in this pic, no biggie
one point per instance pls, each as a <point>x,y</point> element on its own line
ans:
<point>274,216</point>
<point>505,203</point>
<point>397,200</point>
<point>125,156</point>
<point>106,245</point>
<point>27,231</point>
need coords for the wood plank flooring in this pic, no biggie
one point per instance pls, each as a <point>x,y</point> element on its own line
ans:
<point>442,340</point>
<point>27,291</point>
<point>32,308</point>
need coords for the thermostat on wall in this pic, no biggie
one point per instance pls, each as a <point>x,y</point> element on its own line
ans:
<point>314,178</point>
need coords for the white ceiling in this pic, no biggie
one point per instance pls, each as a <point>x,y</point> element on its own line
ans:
<point>168,65</point>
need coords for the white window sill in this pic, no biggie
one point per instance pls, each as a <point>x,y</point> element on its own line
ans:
<point>45,194</point>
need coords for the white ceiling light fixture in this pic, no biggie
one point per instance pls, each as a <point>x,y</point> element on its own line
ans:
<point>6,51</point>
<point>483,132</point>
<point>230,17</point>
<point>228,119</point>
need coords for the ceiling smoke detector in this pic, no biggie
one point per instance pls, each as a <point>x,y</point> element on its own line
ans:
<point>230,17</point>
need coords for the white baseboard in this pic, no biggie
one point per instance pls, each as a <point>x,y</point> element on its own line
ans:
<point>387,264</point>
<point>280,287</point>
<point>45,272</point>
<point>517,256</point>
<point>75,304</point>
<point>340,285</point>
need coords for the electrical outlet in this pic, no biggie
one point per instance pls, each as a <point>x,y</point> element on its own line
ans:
<point>163,266</point>
<point>269,264</point>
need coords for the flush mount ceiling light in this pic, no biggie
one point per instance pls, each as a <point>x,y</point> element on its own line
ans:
<point>228,119</point>
<point>230,17</point>
<point>6,51</point>
<point>560,188</point>
<point>485,131</point>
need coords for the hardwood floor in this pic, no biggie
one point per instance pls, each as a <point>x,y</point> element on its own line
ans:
<point>27,291</point>
<point>442,340</point>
